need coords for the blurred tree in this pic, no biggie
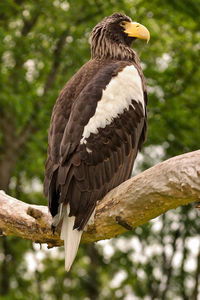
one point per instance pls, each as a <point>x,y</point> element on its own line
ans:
<point>43,44</point>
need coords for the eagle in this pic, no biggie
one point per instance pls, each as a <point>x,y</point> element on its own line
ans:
<point>97,127</point>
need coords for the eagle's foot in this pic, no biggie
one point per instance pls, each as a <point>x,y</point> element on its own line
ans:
<point>123,223</point>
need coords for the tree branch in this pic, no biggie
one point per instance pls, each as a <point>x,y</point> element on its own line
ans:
<point>165,186</point>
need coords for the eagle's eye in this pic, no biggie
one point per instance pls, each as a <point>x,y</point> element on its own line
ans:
<point>123,23</point>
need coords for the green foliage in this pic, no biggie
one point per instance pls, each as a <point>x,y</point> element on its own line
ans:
<point>43,44</point>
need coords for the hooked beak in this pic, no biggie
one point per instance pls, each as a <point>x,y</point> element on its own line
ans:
<point>136,30</point>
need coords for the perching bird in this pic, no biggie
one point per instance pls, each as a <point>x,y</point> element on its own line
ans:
<point>98,124</point>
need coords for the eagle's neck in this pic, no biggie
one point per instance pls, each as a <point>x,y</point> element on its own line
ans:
<point>105,49</point>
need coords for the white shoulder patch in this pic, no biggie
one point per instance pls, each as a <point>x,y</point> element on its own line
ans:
<point>116,97</point>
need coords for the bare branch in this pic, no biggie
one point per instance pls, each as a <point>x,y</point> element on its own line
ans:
<point>165,186</point>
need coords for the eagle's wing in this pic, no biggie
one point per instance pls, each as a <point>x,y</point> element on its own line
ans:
<point>98,143</point>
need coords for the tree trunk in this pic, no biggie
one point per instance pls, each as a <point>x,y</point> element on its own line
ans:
<point>7,166</point>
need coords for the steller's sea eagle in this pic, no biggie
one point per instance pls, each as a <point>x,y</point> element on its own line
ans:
<point>98,124</point>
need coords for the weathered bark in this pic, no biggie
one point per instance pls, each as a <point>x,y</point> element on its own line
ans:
<point>165,186</point>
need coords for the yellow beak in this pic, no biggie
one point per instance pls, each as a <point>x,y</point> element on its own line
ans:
<point>137,30</point>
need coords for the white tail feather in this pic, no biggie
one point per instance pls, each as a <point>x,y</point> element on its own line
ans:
<point>71,239</point>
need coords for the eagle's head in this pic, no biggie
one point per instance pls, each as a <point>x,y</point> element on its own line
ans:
<point>112,37</point>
